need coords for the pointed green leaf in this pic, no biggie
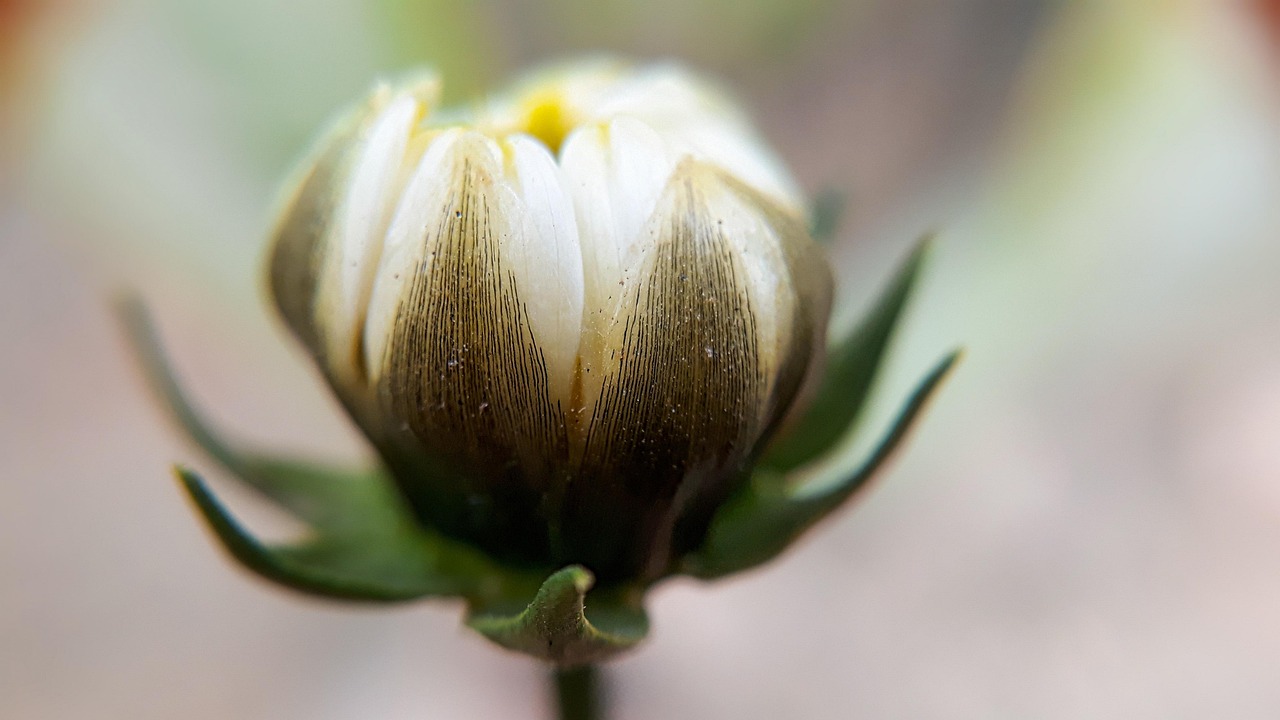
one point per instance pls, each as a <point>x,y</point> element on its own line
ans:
<point>824,219</point>
<point>326,499</point>
<point>332,501</point>
<point>554,625</point>
<point>769,514</point>
<point>364,543</point>
<point>329,500</point>
<point>369,571</point>
<point>851,369</point>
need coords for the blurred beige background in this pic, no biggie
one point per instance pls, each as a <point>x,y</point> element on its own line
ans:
<point>1087,525</point>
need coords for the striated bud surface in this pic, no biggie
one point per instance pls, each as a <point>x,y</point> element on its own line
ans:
<point>568,318</point>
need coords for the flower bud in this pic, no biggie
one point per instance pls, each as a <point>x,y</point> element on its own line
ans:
<point>568,318</point>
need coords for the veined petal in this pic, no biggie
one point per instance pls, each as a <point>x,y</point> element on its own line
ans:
<point>693,370</point>
<point>460,374</point>
<point>698,118</point>
<point>615,173</point>
<point>543,255</point>
<point>530,216</point>
<point>790,286</point>
<point>404,251</point>
<point>358,230</point>
<point>302,240</point>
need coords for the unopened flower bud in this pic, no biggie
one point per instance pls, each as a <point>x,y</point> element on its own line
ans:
<point>569,318</point>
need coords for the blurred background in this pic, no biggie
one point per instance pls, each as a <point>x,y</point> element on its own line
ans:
<point>1087,524</point>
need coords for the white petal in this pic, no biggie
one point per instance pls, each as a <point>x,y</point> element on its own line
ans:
<point>542,252</point>
<point>615,173</point>
<point>536,236</point>
<point>762,262</point>
<point>682,394</point>
<point>404,252</point>
<point>699,119</point>
<point>744,156</point>
<point>455,361</point>
<point>356,241</point>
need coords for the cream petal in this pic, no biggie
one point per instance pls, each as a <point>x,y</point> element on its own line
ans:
<point>700,119</point>
<point>682,385</point>
<point>453,355</point>
<point>404,252</point>
<point>532,222</point>
<point>303,236</point>
<point>790,283</point>
<point>741,154</point>
<point>615,173</point>
<point>710,347</point>
<point>357,236</point>
<point>543,255</point>
<point>298,241</point>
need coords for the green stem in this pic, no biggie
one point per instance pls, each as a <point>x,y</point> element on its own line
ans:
<point>578,693</point>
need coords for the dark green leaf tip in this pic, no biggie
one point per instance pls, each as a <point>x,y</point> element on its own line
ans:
<point>554,625</point>
<point>769,514</point>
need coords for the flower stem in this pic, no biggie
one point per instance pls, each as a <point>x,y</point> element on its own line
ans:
<point>578,693</point>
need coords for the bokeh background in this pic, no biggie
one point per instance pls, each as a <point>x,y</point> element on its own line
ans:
<point>1087,525</point>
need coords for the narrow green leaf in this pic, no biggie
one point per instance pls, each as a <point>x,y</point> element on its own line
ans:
<point>769,514</point>
<point>364,543</point>
<point>329,500</point>
<point>140,332</point>
<point>554,625</point>
<point>331,567</point>
<point>332,501</point>
<point>851,370</point>
<point>824,218</point>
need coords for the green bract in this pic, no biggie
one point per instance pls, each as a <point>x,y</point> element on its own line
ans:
<point>571,323</point>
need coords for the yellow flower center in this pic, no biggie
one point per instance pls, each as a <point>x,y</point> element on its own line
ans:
<point>548,118</point>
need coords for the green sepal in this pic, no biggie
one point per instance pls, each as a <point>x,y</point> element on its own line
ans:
<point>769,513</point>
<point>362,542</point>
<point>554,626</point>
<point>824,217</point>
<point>331,501</point>
<point>394,565</point>
<point>846,383</point>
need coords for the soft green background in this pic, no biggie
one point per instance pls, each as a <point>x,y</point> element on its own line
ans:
<point>1087,525</point>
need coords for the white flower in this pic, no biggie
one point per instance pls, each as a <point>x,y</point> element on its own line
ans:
<point>567,318</point>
